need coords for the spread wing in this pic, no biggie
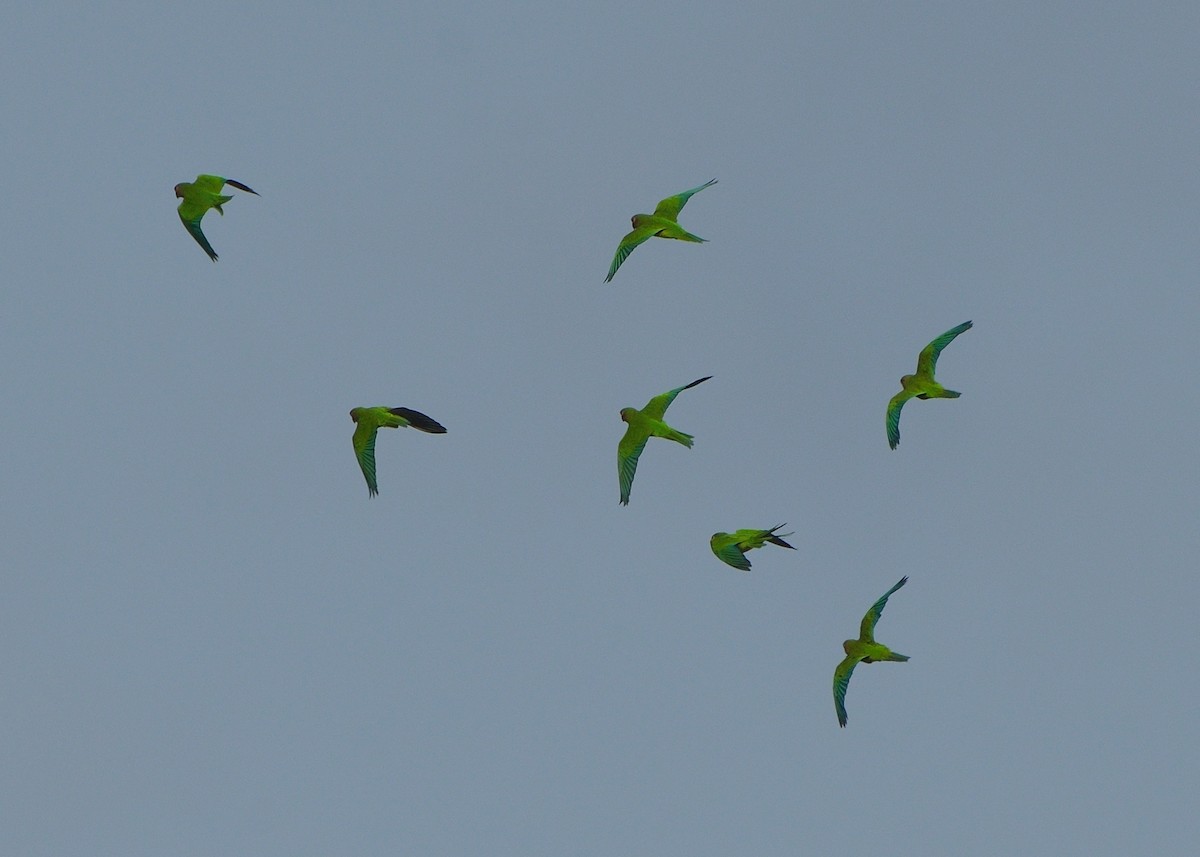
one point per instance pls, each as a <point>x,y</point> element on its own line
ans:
<point>866,632</point>
<point>191,213</point>
<point>633,239</point>
<point>893,417</point>
<point>927,362</point>
<point>672,205</point>
<point>418,420</point>
<point>364,451</point>
<point>657,406</point>
<point>628,451</point>
<point>241,186</point>
<point>841,681</point>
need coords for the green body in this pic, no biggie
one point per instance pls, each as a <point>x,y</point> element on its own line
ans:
<point>661,224</point>
<point>922,385</point>
<point>644,424</point>
<point>864,649</point>
<point>198,197</point>
<point>370,420</point>
<point>731,548</point>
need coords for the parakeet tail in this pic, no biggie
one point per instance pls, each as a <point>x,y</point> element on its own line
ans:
<point>680,437</point>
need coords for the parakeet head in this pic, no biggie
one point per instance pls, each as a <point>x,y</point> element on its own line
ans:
<point>625,414</point>
<point>906,380</point>
<point>636,220</point>
<point>178,191</point>
<point>354,414</point>
<point>847,644</point>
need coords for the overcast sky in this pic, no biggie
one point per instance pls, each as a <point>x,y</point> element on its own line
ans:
<point>215,643</point>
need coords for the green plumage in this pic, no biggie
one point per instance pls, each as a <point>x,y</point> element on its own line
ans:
<point>198,197</point>
<point>644,424</point>
<point>922,385</point>
<point>864,649</point>
<point>370,420</point>
<point>731,548</point>
<point>661,224</point>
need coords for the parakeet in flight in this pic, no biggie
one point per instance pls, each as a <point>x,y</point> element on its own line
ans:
<point>643,425</point>
<point>198,197</point>
<point>863,649</point>
<point>663,223</point>
<point>731,547</point>
<point>922,385</point>
<point>370,420</point>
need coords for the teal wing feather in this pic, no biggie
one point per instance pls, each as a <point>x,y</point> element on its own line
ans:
<point>364,451</point>
<point>841,681</point>
<point>628,450</point>
<point>866,632</point>
<point>893,417</point>
<point>638,236</point>
<point>657,407</point>
<point>732,554</point>
<point>672,205</point>
<point>927,362</point>
<point>191,222</point>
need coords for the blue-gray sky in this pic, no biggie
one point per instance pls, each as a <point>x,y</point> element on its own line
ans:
<point>215,643</point>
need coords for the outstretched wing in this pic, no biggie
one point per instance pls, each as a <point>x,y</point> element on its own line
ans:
<point>628,451</point>
<point>364,451</point>
<point>893,417</point>
<point>191,213</point>
<point>672,205</point>
<point>633,239</point>
<point>657,406</point>
<point>418,420</point>
<point>841,681</point>
<point>866,632</point>
<point>927,362</point>
<point>241,186</point>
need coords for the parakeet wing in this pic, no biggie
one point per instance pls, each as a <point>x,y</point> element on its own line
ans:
<point>628,450</point>
<point>418,420</point>
<point>633,239</point>
<point>191,213</point>
<point>866,631</point>
<point>364,450</point>
<point>657,406</point>
<point>672,205</point>
<point>927,362</point>
<point>731,554</point>
<point>893,417</point>
<point>241,186</point>
<point>212,184</point>
<point>841,681</point>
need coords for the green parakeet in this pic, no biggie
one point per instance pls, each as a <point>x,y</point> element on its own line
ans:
<point>863,649</point>
<point>644,424</point>
<point>198,197</point>
<point>370,420</point>
<point>663,223</point>
<point>731,548</point>
<point>922,385</point>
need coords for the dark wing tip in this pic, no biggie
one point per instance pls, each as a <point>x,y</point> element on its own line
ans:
<point>241,186</point>
<point>698,381</point>
<point>419,420</point>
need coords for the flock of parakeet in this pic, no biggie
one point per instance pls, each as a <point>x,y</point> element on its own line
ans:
<point>205,193</point>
